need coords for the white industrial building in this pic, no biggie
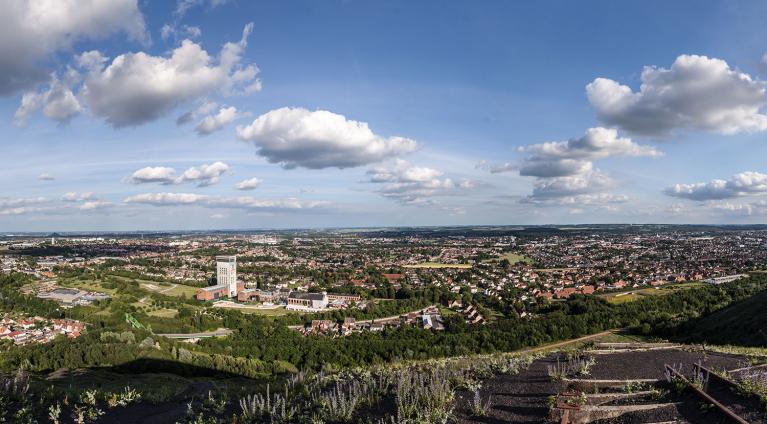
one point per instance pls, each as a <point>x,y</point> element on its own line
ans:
<point>226,273</point>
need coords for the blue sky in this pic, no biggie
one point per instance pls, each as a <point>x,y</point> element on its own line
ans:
<point>213,114</point>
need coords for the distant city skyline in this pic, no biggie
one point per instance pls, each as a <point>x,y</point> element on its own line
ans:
<point>120,115</point>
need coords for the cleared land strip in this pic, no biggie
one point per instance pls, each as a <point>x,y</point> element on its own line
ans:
<point>217,333</point>
<point>568,342</point>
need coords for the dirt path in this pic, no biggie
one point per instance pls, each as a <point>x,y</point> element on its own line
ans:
<point>173,286</point>
<point>221,332</point>
<point>567,342</point>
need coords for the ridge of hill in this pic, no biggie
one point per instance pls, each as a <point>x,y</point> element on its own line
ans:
<point>743,323</point>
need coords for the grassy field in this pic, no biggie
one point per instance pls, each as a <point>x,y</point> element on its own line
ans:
<point>172,290</point>
<point>277,312</point>
<point>163,313</point>
<point>632,295</point>
<point>88,285</point>
<point>515,258</point>
<point>446,312</point>
<point>152,286</point>
<point>169,289</point>
<point>623,298</point>
<point>438,265</point>
<point>272,312</point>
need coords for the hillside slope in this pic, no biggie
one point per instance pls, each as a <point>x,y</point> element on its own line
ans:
<point>743,323</point>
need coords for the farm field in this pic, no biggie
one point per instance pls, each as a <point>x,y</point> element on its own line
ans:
<point>438,265</point>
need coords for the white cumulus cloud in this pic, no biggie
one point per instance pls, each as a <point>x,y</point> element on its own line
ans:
<point>78,197</point>
<point>415,185</point>
<point>203,175</point>
<point>32,30</point>
<point>742,184</point>
<point>574,156</point>
<point>135,88</point>
<point>696,93</point>
<point>564,170</point>
<point>242,202</point>
<point>153,174</point>
<point>57,101</point>
<point>297,137</point>
<point>95,204</point>
<point>249,184</point>
<point>212,123</point>
<point>587,183</point>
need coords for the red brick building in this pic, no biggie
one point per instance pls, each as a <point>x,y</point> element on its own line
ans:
<point>217,292</point>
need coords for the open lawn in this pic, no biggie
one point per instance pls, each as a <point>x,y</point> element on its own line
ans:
<point>160,313</point>
<point>171,290</point>
<point>253,309</point>
<point>515,258</point>
<point>631,295</point>
<point>88,285</point>
<point>438,265</point>
<point>446,312</point>
<point>623,298</point>
<point>278,312</point>
<point>163,313</point>
<point>152,286</point>
<point>144,305</point>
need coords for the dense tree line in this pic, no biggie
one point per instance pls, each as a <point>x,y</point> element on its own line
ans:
<point>579,316</point>
<point>12,300</point>
<point>262,346</point>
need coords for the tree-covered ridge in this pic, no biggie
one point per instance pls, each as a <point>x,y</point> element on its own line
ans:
<point>262,347</point>
<point>742,323</point>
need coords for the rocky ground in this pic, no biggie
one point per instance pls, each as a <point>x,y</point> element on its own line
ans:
<point>525,397</point>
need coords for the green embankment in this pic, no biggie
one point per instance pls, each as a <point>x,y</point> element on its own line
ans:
<point>743,323</point>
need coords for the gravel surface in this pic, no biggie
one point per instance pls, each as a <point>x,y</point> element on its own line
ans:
<point>685,409</point>
<point>523,398</point>
<point>745,406</point>
<point>520,398</point>
<point>649,364</point>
